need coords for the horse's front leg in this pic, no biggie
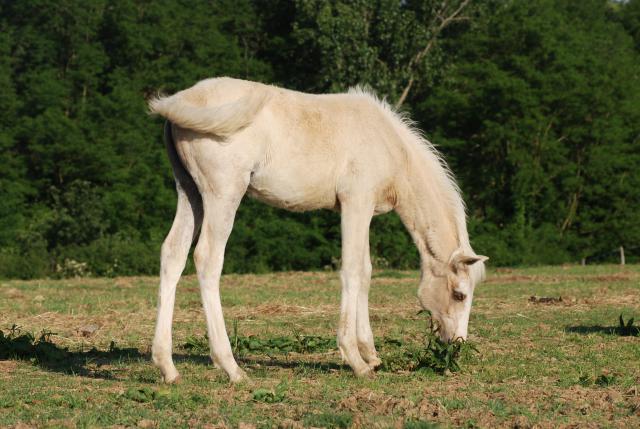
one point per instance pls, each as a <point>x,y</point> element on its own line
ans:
<point>219,213</point>
<point>366,345</point>
<point>356,217</point>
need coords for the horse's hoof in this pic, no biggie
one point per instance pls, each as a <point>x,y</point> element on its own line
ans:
<point>365,372</point>
<point>238,376</point>
<point>173,379</point>
<point>374,362</point>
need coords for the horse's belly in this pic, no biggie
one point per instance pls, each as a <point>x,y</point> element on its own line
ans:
<point>300,194</point>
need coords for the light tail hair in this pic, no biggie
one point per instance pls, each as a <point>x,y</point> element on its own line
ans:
<point>222,121</point>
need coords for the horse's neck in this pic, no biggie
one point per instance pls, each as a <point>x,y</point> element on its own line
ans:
<point>429,218</point>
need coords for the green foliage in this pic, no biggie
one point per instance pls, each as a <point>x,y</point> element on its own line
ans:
<point>270,396</point>
<point>535,106</point>
<point>142,394</point>
<point>436,355</point>
<point>627,329</point>
<point>601,380</point>
<point>543,148</point>
<point>442,356</point>
<point>162,398</point>
<point>605,380</point>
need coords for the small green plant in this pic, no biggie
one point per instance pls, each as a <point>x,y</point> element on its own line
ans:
<point>603,380</point>
<point>161,398</point>
<point>442,356</point>
<point>270,396</point>
<point>436,355</point>
<point>141,394</point>
<point>626,329</point>
<point>197,344</point>
<point>585,380</point>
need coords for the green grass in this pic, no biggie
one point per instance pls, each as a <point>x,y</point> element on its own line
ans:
<point>573,362</point>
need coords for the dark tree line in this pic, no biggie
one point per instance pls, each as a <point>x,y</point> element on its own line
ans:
<point>535,105</point>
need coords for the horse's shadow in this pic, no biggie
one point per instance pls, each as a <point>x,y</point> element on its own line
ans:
<point>85,363</point>
<point>95,363</point>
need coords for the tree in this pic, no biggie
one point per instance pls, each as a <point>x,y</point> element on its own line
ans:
<point>539,117</point>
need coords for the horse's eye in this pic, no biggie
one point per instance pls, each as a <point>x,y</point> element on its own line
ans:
<point>458,296</point>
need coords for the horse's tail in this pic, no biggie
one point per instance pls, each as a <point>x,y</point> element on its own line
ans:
<point>222,121</point>
<point>185,185</point>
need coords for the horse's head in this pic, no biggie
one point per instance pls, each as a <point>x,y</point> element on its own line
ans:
<point>446,290</point>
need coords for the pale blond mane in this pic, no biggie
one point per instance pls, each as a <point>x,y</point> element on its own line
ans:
<point>435,164</point>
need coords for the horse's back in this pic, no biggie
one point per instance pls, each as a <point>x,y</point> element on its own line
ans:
<point>319,146</point>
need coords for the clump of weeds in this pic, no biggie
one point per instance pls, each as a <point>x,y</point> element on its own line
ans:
<point>270,396</point>
<point>605,379</point>
<point>165,398</point>
<point>626,329</point>
<point>441,357</point>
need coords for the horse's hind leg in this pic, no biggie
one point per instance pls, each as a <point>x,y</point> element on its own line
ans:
<point>175,251</point>
<point>220,209</point>
<point>365,335</point>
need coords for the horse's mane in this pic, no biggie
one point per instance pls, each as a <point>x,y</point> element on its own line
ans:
<point>436,165</point>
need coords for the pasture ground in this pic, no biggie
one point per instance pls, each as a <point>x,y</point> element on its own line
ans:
<point>553,364</point>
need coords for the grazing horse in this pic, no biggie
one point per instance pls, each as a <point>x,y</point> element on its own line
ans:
<point>346,152</point>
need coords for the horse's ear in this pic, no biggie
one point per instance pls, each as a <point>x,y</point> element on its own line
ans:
<point>461,258</point>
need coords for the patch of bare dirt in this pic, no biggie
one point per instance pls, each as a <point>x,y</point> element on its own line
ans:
<point>367,400</point>
<point>269,309</point>
<point>7,367</point>
<point>623,276</point>
<point>12,293</point>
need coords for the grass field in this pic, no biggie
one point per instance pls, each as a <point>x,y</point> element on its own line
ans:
<point>539,364</point>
